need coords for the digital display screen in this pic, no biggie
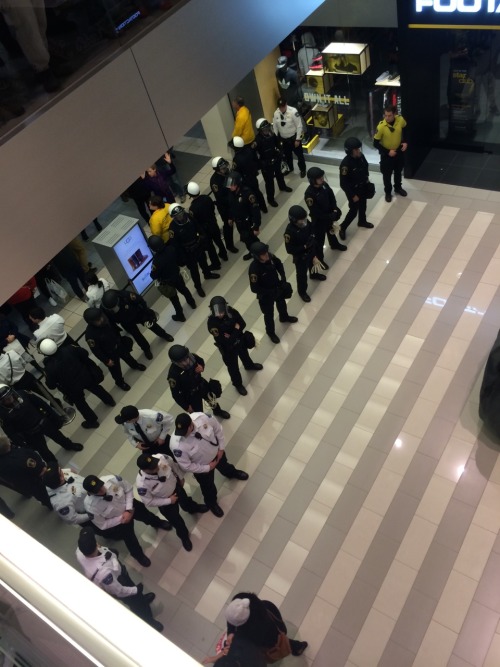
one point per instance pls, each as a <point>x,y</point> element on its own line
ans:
<point>133,252</point>
<point>143,280</point>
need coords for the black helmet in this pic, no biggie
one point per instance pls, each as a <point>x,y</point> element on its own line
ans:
<point>178,352</point>
<point>297,213</point>
<point>110,299</point>
<point>313,173</point>
<point>92,314</point>
<point>351,143</point>
<point>218,305</point>
<point>233,178</point>
<point>155,243</point>
<point>258,248</point>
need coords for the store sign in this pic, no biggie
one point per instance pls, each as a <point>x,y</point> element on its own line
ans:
<point>458,6</point>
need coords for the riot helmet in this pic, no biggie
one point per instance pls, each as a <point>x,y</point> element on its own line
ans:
<point>233,179</point>
<point>238,142</point>
<point>193,189</point>
<point>180,356</point>
<point>297,215</point>
<point>258,248</point>
<point>177,212</point>
<point>218,306</point>
<point>92,315</point>
<point>351,143</point>
<point>313,174</point>
<point>264,127</point>
<point>220,164</point>
<point>47,347</point>
<point>110,300</point>
<point>155,243</point>
<point>9,398</point>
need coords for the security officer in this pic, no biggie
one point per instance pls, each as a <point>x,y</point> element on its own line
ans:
<point>301,244</point>
<point>390,143</point>
<point>203,210</point>
<point>189,239</point>
<point>102,567</point>
<point>28,419</point>
<point>112,508</point>
<point>160,484</point>
<point>354,178</point>
<point>227,327</point>
<point>165,271</point>
<point>187,385</point>
<point>218,187</point>
<point>146,429</point>
<point>245,163</point>
<point>66,494</point>
<point>70,370</point>
<point>198,446</point>
<point>267,146</point>
<point>21,469</point>
<point>324,211</point>
<point>244,211</point>
<point>104,340</point>
<point>129,309</point>
<point>287,124</point>
<point>267,279</point>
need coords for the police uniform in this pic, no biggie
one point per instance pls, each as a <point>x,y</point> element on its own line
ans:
<point>265,281</point>
<point>390,137</point>
<point>203,210</point>
<point>221,194</point>
<point>155,489</point>
<point>324,212</point>
<point>354,175</point>
<point>188,238</point>
<point>21,469</point>
<point>133,310</point>
<point>269,155</point>
<point>151,426</point>
<point>106,511</point>
<point>244,211</point>
<point>165,270</point>
<point>188,387</point>
<point>301,244</point>
<point>68,500</point>
<point>195,452</point>
<point>245,163</point>
<point>288,126</point>
<point>228,336</point>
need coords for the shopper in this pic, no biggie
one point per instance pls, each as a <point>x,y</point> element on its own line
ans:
<point>243,126</point>
<point>160,220</point>
<point>70,268</point>
<point>51,326</point>
<point>287,123</point>
<point>355,182</point>
<point>390,142</point>
<point>156,183</point>
<point>95,292</point>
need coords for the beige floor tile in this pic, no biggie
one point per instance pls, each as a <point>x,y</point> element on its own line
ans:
<point>383,491</point>
<point>402,453</point>
<point>394,591</point>
<point>454,459</point>
<point>286,568</point>
<point>286,478</point>
<point>437,384</point>
<point>493,656</point>
<point>362,532</point>
<point>308,441</point>
<point>339,578</point>
<point>237,559</point>
<point>420,417</point>
<point>455,601</point>
<point>353,447</point>
<point>316,624</point>
<point>347,377</point>
<point>263,516</point>
<point>475,551</point>
<point>373,412</point>
<point>214,599</point>
<point>435,499</point>
<point>416,542</point>
<point>333,484</point>
<point>372,639</point>
<point>436,647</point>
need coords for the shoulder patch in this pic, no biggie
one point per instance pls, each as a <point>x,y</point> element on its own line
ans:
<point>64,510</point>
<point>252,199</point>
<point>159,417</point>
<point>141,491</point>
<point>344,171</point>
<point>172,382</point>
<point>253,278</point>
<point>309,202</point>
<point>214,332</point>
<point>31,463</point>
<point>297,114</point>
<point>177,452</point>
<point>91,343</point>
<point>108,579</point>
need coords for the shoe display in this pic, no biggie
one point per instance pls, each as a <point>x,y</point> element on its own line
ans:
<point>164,525</point>
<point>401,192</point>
<point>211,276</point>
<point>143,560</point>
<point>388,197</point>
<point>219,412</point>
<point>366,225</point>
<point>274,338</point>
<point>289,319</point>
<point>342,234</point>
<point>305,297</point>
<point>255,367</point>
<point>273,203</point>
<point>317,276</point>
<point>217,510</point>
<point>187,544</point>
<point>200,292</point>
<point>148,354</point>
<point>179,318</point>
<point>241,390</point>
<point>149,597</point>
<point>123,385</point>
<point>286,189</point>
<point>74,447</point>
<point>139,367</point>
<point>241,475</point>
<point>247,256</point>
<point>90,424</point>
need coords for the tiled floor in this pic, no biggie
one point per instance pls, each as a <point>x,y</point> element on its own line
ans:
<point>373,505</point>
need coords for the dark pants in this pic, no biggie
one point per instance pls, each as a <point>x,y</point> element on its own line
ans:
<point>76,278</point>
<point>389,166</point>
<point>136,603</point>
<point>137,335</point>
<point>116,369</point>
<point>79,400</point>
<point>322,232</point>
<point>355,208</point>
<point>266,303</point>
<point>253,184</point>
<point>269,173</point>
<point>29,383</point>
<point>230,358</point>
<point>302,266</point>
<point>52,431</point>
<point>206,480</point>
<point>289,148</point>
<point>173,515</point>
<point>37,442</point>
<point>215,237</point>
<point>194,261</point>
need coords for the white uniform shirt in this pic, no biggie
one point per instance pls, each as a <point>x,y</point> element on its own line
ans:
<point>68,500</point>
<point>51,327</point>
<point>197,450</point>
<point>12,367</point>
<point>107,514</point>
<point>154,423</point>
<point>104,570</point>
<point>152,491</point>
<point>95,293</point>
<point>292,126</point>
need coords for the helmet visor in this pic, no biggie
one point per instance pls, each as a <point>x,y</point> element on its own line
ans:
<point>186,363</point>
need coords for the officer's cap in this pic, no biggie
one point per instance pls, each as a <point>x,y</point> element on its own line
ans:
<point>87,542</point>
<point>126,414</point>
<point>147,462</point>
<point>52,477</point>
<point>182,423</point>
<point>92,484</point>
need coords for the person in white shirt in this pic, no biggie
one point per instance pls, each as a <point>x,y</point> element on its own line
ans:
<point>95,292</point>
<point>13,372</point>
<point>287,124</point>
<point>146,429</point>
<point>51,326</point>
<point>66,494</point>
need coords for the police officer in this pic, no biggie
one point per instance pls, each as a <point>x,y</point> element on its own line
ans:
<point>165,270</point>
<point>354,178</point>
<point>203,210</point>
<point>267,281</point>
<point>21,469</point>
<point>287,124</point>
<point>300,242</point>
<point>390,143</point>
<point>267,146</point>
<point>227,327</point>
<point>112,508</point>
<point>245,163</point>
<point>187,385</point>
<point>66,494</point>
<point>160,483</point>
<point>218,187</point>
<point>129,309</point>
<point>102,567</point>
<point>198,446</point>
<point>69,369</point>
<point>243,209</point>
<point>189,238</point>
<point>146,429</point>
<point>324,211</point>
<point>28,419</point>
<point>104,340</point>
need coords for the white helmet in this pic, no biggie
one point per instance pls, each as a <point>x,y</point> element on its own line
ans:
<point>260,122</point>
<point>47,347</point>
<point>193,189</point>
<point>175,209</point>
<point>216,161</point>
<point>238,142</point>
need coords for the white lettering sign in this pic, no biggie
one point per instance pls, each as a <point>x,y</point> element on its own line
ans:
<point>459,6</point>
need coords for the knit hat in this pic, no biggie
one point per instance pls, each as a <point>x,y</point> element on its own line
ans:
<point>238,611</point>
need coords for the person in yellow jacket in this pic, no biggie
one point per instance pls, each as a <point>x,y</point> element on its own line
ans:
<point>390,143</point>
<point>160,220</point>
<point>243,125</point>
